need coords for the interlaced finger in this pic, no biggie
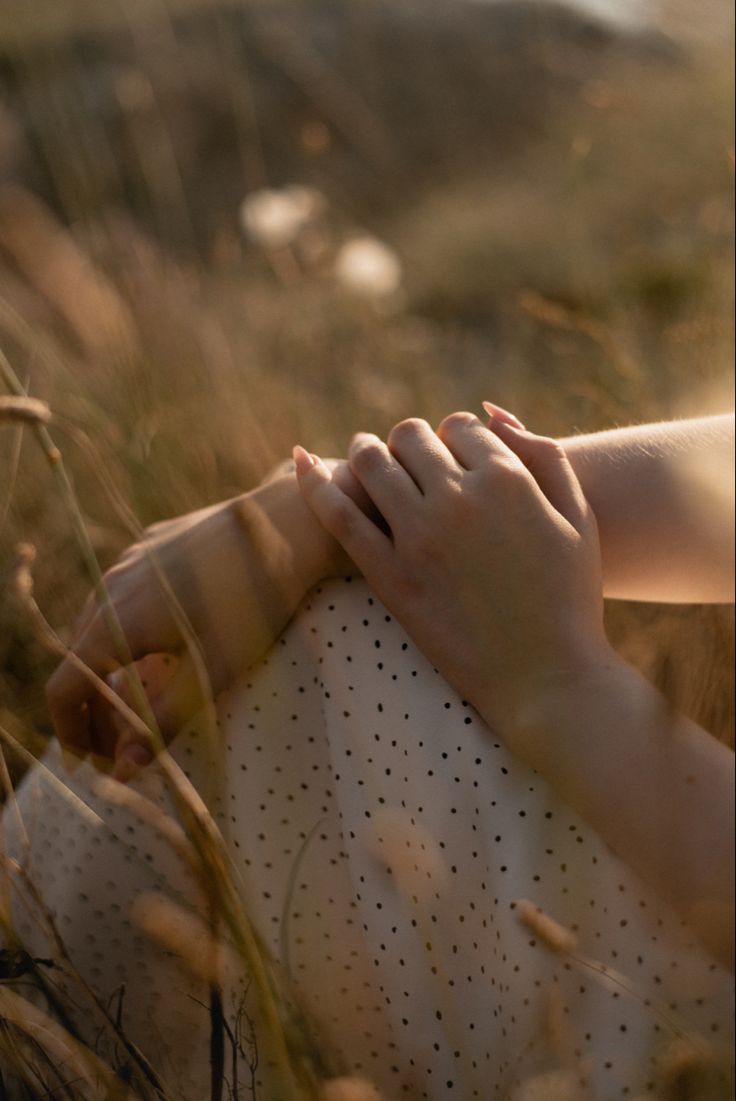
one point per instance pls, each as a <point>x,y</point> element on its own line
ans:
<point>422,454</point>
<point>384,479</point>
<point>470,442</point>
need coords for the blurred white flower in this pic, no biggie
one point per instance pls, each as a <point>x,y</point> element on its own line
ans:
<point>349,1089</point>
<point>274,218</point>
<point>368,266</point>
<point>553,1085</point>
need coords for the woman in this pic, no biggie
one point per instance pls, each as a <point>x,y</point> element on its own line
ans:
<point>493,548</point>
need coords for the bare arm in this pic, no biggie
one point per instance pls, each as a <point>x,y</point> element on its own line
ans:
<point>236,571</point>
<point>653,784</point>
<point>510,613</point>
<point>663,496</point>
<point>657,491</point>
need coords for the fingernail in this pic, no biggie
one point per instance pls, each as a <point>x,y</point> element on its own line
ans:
<point>496,411</point>
<point>303,461</point>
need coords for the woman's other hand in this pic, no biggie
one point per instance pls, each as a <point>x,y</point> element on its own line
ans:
<point>493,566</point>
<point>229,576</point>
<point>492,560</point>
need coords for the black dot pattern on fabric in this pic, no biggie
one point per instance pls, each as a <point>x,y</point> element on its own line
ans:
<point>385,839</point>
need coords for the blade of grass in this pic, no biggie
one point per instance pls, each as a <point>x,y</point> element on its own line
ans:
<point>56,462</point>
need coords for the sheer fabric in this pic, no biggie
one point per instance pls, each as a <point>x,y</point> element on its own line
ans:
<point>386,840</point>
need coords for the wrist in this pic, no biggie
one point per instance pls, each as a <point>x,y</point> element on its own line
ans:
<point>307,553</point>
<point>558,698</point>
<point>581,729</point>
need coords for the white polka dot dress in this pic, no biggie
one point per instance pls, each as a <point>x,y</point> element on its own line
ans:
<point>393,854</point>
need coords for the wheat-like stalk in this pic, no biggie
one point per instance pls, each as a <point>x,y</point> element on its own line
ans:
<point>299,1064</point>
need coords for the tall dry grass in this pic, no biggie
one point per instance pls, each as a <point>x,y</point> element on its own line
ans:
<point>583,281</point>
<point>579,273</point>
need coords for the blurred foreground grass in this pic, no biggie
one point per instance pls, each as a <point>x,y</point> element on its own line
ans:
<point>572,262</point>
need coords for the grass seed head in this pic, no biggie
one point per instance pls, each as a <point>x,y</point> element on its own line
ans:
<point>21,578</point>
<point>693,1071</point>
<point>24,410</point>
<point>349,1089</point>
<point>552,1085</point>
<point>410,853</point>
<point>182,933</point>
<point>553,935</point>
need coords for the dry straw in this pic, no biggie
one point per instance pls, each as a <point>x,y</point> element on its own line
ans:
<point>25,410</point>
<point>43,1030</point>
<point>300,1061</point>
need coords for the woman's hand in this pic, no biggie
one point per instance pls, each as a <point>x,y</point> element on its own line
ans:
<point>493,566</point>
<point>230,576</point>
<point>492,562</point>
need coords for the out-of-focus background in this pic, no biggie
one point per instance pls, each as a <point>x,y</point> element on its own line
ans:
<point>227,226</point>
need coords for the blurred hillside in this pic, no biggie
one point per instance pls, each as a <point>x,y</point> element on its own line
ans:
<point>554,202</point>
<point>174,117</point>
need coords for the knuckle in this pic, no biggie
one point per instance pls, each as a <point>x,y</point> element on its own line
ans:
<point>407,429</point>
<point>456,421</point>
<point>367,456</point>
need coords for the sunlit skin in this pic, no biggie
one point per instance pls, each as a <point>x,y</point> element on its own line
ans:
<point>260,552</point>
<point>499,548</point>
<point>492,563</point>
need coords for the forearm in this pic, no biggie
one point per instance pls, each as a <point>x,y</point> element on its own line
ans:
<point>663,496</point>
<point>656,787</point>
<point>510,614</point>
<point>284,544</point>
<point>232,575</point>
